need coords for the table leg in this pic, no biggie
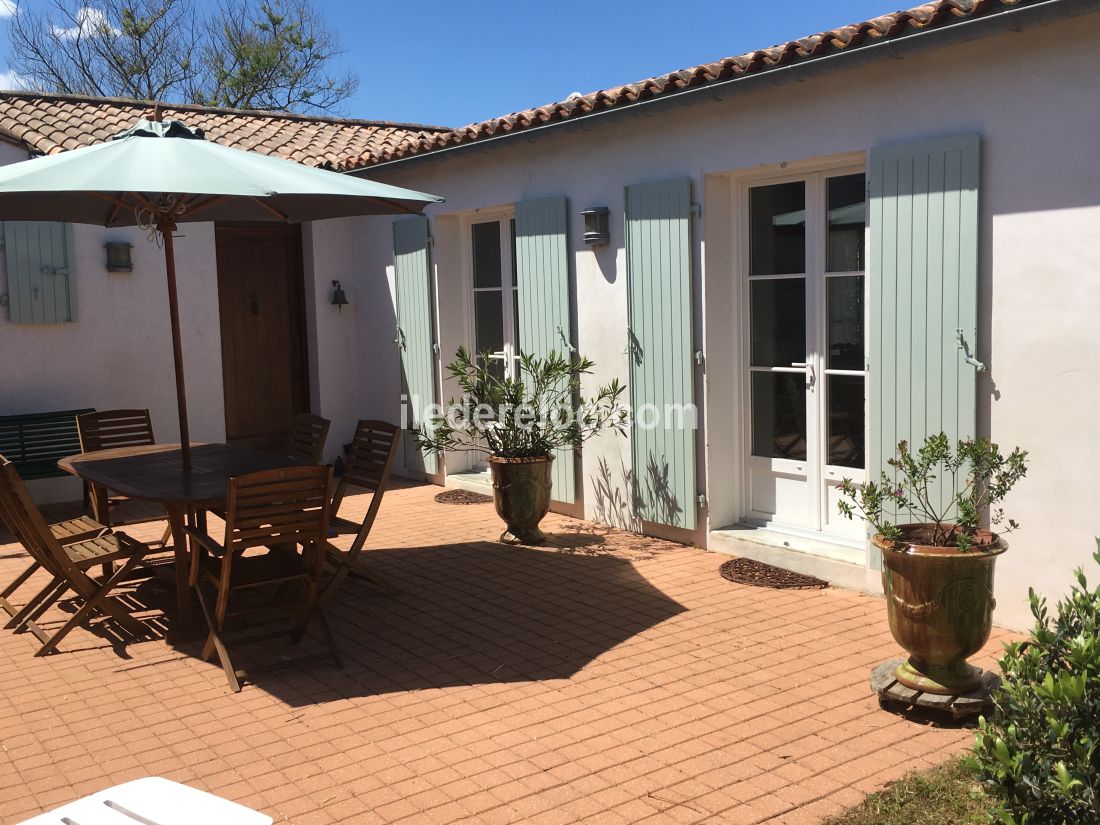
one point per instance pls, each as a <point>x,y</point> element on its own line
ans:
<point>176,516</point>
<point>186,625</point>
<point>100,499</point>
<point>101,512</point>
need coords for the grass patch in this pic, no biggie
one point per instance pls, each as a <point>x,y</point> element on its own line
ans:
<point>947,793</point>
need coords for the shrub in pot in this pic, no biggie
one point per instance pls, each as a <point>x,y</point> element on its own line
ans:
<point>1039,754</point>
<point>518,423</point>
<point>938,564</point>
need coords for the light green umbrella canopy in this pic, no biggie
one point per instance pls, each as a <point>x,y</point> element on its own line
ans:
<point>161,173</point>
<point>167,158</point>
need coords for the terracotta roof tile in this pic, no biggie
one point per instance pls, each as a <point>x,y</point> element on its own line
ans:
<point>50,123</point>
<point>929,15</point>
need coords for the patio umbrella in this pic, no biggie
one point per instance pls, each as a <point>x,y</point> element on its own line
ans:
<point>158,174</point>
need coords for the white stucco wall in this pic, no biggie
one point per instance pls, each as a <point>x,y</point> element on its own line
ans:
<point>331,253</point>
<point>1030,94</point>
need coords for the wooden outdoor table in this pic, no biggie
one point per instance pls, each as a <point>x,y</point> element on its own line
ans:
<point>155,473</point>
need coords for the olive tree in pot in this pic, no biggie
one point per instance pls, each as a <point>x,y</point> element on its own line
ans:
<point>518,423</point>
<point>938,567</point>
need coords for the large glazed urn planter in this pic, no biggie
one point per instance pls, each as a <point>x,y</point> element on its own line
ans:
<point>521,494</point>
<point>940,604</point>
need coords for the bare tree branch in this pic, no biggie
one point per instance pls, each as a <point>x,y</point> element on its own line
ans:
<point>257,54</point>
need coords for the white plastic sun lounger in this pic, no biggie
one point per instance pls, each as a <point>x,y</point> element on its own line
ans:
<point>151,801</point>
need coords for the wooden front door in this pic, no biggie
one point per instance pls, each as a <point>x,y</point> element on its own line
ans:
<point>264,360</point>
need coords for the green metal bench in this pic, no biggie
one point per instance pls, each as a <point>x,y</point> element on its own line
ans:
<point>35,442</point>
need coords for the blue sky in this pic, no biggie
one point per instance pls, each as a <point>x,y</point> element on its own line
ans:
<point>451,63</point>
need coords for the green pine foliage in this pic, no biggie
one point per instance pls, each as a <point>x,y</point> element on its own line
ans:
<point>1039,755</point>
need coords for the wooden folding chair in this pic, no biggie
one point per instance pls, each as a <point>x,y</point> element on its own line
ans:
<point>306,441</point>
<point>67,566</point>
<point>71,531</point>
<point>272,508</point>
<point>370,459</point>
<point>107,430</point>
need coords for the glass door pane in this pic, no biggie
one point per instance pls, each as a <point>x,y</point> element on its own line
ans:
<point>489,337</point>
<point>779,415</point>
<point>847,209</point>
<point>777,320</point>
<point>777,216</point>
<point>845,379</point>
<point>486,246</point>
<point>844,394</point>
<point>844,327</point>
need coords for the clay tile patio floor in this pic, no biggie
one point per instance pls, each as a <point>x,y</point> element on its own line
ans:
<point>608,678</point>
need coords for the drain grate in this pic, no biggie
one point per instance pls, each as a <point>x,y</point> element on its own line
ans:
<point>758,574</point>
<point>462,497</point>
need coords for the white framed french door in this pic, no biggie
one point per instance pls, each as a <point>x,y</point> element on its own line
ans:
<point>495,294</point>
<point>491,259</point>
<point>804,371</point>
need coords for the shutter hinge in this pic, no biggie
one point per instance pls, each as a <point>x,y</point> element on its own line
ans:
<point>699,357</point>
<point>701,499</point>
<point>697,210</point>
<point>435,347</point>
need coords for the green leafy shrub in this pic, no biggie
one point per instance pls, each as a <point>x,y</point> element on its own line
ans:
<point>975,473</point>
<point>1039,756</point>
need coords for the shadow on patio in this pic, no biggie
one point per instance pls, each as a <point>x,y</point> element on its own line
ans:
<point>467,613</point>
<point>472,613</point>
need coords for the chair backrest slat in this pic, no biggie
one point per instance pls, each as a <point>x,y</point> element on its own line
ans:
<point>272,507</point>
<point>306,440</point>
<point>370,456</point>
<point>108,429</point>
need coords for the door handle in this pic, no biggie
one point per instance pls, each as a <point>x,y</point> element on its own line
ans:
<point>811,376</point>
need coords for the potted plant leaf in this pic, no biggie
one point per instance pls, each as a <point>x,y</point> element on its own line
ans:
<point>518,423</point>
<point>938,566</point>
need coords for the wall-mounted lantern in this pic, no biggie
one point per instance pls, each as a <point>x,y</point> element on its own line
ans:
<point>596,225</point>
<point>118,256</point>
<point>339,299</point>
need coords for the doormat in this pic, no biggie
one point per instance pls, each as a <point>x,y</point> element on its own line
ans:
<point>462,497</point>
<point>758,574</point>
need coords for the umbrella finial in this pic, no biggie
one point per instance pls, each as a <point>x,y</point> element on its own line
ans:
<point>156,111</point>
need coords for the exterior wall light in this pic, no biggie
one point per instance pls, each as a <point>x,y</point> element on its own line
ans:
<point>596,225</point>
<point>118,256</point>
<point>339,299</point>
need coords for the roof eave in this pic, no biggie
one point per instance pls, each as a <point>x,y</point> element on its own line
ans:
<point>1009,18</point>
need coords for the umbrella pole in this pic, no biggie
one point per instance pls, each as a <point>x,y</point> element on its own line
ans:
<point>166,228</point>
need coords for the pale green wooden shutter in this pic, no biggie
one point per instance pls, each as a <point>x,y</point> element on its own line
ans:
<point>39,257</point>
<point>415,331</point>
<point>923,294</point>
<point>658,254</point>
<point>542,278</point>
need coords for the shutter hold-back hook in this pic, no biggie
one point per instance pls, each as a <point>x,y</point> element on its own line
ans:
<point>568,346</point>
<point>967,355</point>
